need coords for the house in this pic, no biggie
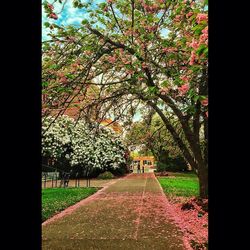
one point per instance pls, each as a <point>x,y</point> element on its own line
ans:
<point>147,161</point>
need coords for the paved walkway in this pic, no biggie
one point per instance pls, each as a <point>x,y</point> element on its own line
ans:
<point>129,214</point>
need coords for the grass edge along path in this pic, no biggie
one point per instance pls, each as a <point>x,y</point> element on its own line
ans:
<point>75,206</point>
<point>55,200</point>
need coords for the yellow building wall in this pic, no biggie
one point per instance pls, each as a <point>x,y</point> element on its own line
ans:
<point>144,158</point>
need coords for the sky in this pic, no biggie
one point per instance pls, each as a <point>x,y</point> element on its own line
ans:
<point>68,16</point>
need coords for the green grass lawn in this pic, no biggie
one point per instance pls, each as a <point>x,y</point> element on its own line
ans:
<point>183,184</point>
<point>55,200</point>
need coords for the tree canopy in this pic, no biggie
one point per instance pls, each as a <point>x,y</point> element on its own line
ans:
<point>136,53</point>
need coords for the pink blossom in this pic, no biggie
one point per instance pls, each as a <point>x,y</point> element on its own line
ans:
<point>201,17</point>
<point>144,65</point>
<point>111,59</point>
<point>169,50</point>
<point>63,79</point>
<point>194,44</point>
<point>183,89</point>
<point>204,102</point>
<point>189,14</point>
<point>126,62</point>
<point>205,30</point>
<point>206,113</point>
<point>184,78</point>
<point>110,1</point>
<point>50,6</point>
<point>171,62</point>
<point>152,28</point>
<point>203,38</point>
<point>53,16</point>
<point>192,58</point>
<point>177,18</point>
<point>130,72</point>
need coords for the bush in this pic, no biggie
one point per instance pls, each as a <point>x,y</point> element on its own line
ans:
<point>105,175</point>
<point>173,165</point>
<point>121,170</point>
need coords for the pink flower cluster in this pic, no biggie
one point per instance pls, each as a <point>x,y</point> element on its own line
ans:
<point>50,6</point>
<point>192,58</point>
<point>184,78</point>
<point>194,44</point>
<point>144,65</point>
<point>204,36</point>
<point>189,14</point>
<point>112,59</point>
<point>109,1</point>
<point>201,17</point>
<point>151,28</point>
<point>169,50</point>
<point>149,8</point>
<point>183,89</point>
<point>171,62</point>
<point>53,16</point>
<point>177,18</point>
<point>204,102</point>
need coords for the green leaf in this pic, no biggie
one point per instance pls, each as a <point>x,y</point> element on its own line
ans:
<point>70,76</point>
<point>202,97</point>
<point>200,50</point>
<point>45,84</point>
<point>46,24</point>
<point>205,52</point>
<point>152,89</point>
<point>54,66</point>
<point>196,98</point>
<point>85,21</point>
<point>164,83</point>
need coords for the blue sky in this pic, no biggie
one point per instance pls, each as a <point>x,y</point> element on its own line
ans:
<point>68,16</point>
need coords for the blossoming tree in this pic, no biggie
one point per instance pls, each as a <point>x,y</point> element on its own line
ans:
<point>138,51</point>
<point>83,147</point>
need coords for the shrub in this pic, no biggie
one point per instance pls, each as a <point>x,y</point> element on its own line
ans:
<point>105,175</point>
<point>173,165</point>
<point>121,170</point>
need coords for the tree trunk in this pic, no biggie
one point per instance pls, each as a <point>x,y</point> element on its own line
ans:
<point>203,181</point>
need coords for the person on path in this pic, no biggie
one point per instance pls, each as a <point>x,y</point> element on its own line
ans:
<point>143,169</point>
<point>138,168</point>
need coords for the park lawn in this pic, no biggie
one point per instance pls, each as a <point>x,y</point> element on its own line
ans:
<point>180,184</point>
<point>54,200</point>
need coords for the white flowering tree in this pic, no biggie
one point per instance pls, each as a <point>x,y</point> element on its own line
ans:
<point>56,136</point>
<point>81,146</point>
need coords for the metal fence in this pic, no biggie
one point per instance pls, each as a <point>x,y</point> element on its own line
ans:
<point>53,177</point>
